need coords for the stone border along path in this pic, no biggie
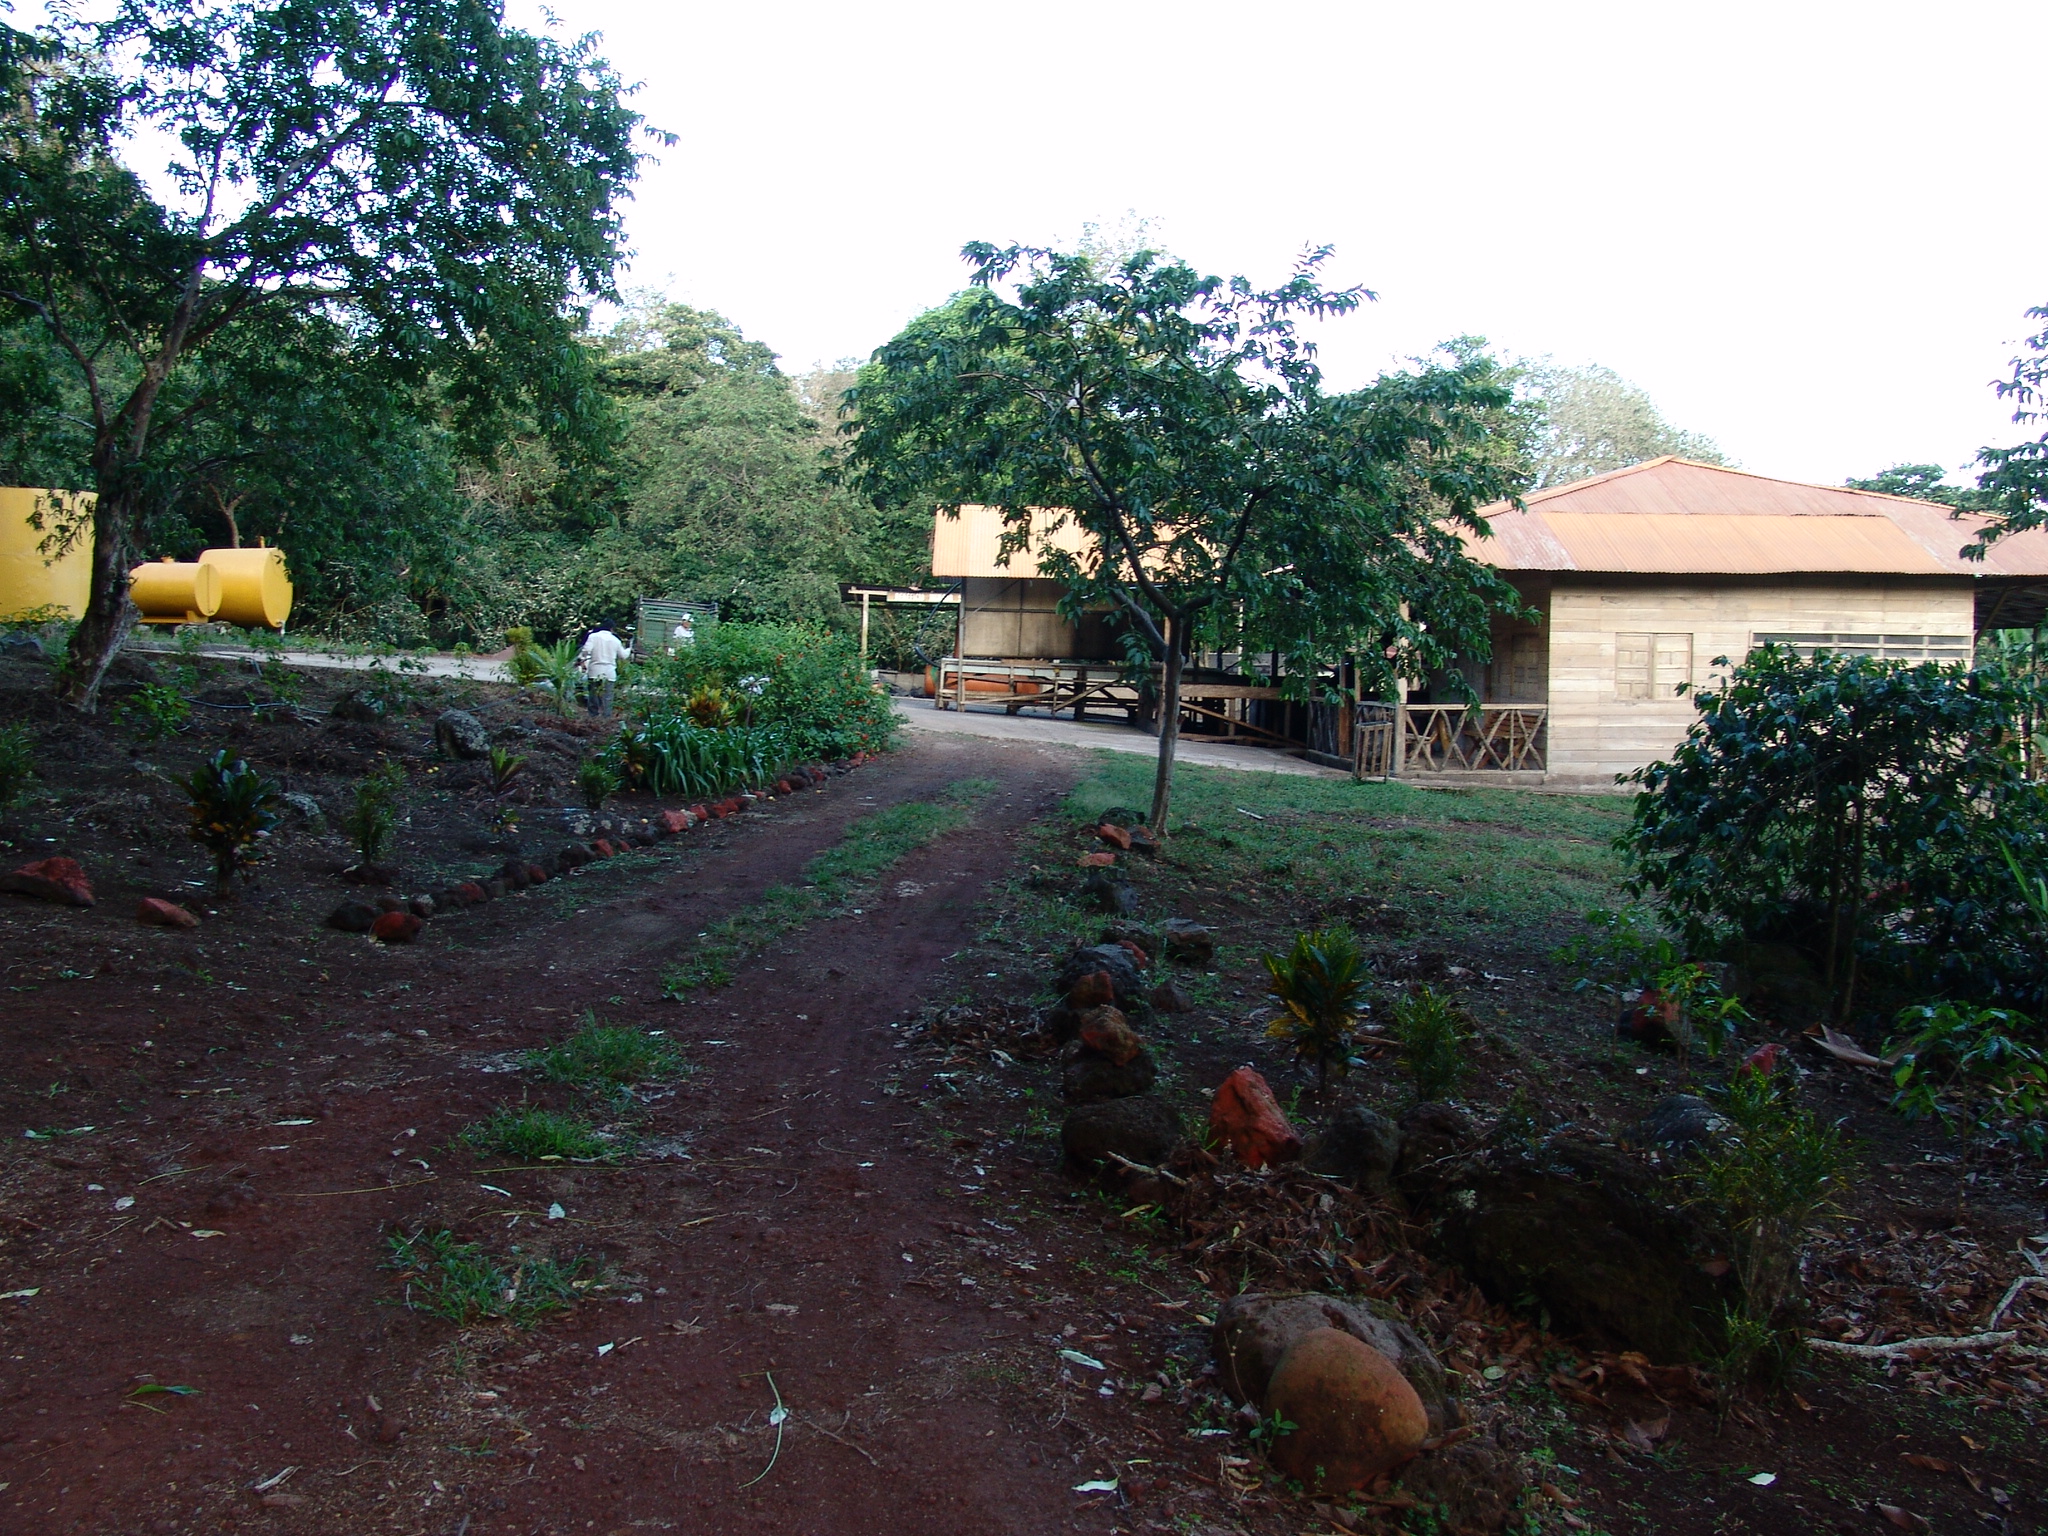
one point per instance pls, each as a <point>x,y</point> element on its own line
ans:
<point>398,920</point>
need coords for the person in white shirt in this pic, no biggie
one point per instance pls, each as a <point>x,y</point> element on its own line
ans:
<point>599,661</point>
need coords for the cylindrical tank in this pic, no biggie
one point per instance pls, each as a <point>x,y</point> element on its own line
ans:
<point>255,590</point>
<point>29,579</point>
<point>175,591</point>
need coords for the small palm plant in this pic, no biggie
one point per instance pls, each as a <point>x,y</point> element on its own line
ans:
<point>557,668</point>
<point>1321,984</point>
<point>234,809</point>
<point>373,818</point>
<point>505,767</point>
<point>598,782</point>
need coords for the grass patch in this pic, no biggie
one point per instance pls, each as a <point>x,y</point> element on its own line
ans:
<point>537,1134</point>
<point>465,1285</point>
<point>839,877</point>
<point>602,1055</point>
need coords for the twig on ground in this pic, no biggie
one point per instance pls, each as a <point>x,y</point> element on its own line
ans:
<point>1939,1345</point>
<point>1160,1173</point>
<point>829,1435</point>
<point>2012,1295</point>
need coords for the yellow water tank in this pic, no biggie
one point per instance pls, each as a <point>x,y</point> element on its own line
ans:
<point>29,579</point>
<point>255,590</point>
<point>175,591</point>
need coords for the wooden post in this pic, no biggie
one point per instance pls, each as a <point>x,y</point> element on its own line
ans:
<point>961,663</point>
<point>864,629</point>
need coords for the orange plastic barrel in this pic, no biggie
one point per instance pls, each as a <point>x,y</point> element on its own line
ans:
<point>175,591</point>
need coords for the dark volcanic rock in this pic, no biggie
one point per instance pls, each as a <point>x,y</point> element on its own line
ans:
<point>1087,1077</point>
<point>1360,1146</point>
<point>1140,1128</point>
<point>1254,1330</point>
<point>460,735</point>
<point>1124,978</point>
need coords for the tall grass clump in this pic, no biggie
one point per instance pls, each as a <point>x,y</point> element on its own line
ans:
<point>1433,1033</point>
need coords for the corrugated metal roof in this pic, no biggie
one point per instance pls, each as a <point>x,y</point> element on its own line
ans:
<point>1670,516</point>
<point>967,545</point>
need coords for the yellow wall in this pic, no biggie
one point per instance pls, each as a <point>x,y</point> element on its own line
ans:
<point>28,579</point>
<point>1594,734</point>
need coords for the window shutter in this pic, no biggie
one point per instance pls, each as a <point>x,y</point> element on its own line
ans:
<point>1632,666</point>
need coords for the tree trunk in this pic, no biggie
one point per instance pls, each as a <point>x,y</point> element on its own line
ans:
<point>1169,733</point>
<point>108,613</point>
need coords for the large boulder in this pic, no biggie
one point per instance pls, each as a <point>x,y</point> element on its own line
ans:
<point>1088,1076</point>
<point>1126,984</point>
<point>1106,890</point>
<point>1255,1330</point>
<point>459,734</point>
<point>1359,1146</point>
<point>57,879</point>
<point>1246,1117</point>
<point>1594,1236</point>
<point>395,928</point>
<point>1354,1415</point>
<point>1141,1128</point>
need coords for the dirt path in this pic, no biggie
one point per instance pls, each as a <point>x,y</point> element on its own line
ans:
<point>799,1229</point>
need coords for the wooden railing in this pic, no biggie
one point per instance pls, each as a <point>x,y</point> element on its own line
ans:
<point>1437,737</point>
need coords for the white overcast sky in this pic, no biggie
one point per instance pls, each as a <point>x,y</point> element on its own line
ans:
<point>1809,230</point>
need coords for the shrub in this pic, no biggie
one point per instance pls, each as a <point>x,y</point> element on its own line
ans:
<point>1321,983</point>
<point>556,666</point>
<point>524,666</point>
<point>806,680</point>
<point>373,816</point>
<point>156,710</point>
<point>597,782</point>
<point>505,767</point>
<point>1860,809</point>
<point>234,809</point>
<point>1968,1068</point>
<point>1770,1176</point>
<point>17,762</point>
<point>541,1134</point>
<point>671,755</point>
<point>608,1056</point>
<point>462,1283</point>
<point>1433,1032</point>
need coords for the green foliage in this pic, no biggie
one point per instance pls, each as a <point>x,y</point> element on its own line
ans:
<point>17,763</point>
<point>608,1056</point>
<point>372,816</point>
<point>805,680</point>
<point>1858,808</point>
<point>1321,983</point>
<point>1269,1429</point>
<point>460,1282</point>
<point>444,245</point>
<point>505,767</point>
<point>156,710</point>
<point>2014,482</point>
<point>555,665</point>
<point>670,755</point>
<point>1592,421</point>
<point>1923,482</point>
<point>1773,1172</point>
<point>597,781</point>
<point>1707,1016</point>
<point>1180,421</point>
<point>524,665</point>
<point>1624,949</point>
<point>234,809</point>
<point>1434,1032</point>
<point>539,1134</point>
<point>1972,1069</point>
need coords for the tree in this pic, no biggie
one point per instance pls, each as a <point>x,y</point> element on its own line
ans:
<point>1595,421</point>
<point>1922,482</point>
<point>2014,482</point>
<point>1180,421</point>
<point>436,184</point>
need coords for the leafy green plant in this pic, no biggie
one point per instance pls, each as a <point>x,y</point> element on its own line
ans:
<point>1707,1016</point>
<point>524,666</point>
<point>1321,984</point>
<point>1269,1429</point>
<point>556,666</point>
<point>539,1134</point>
<point>603,1055</point>
<point>1971,1069</point>
<point>597,782</point>
<point>462,1283</point>
<point>673,755</point>
<point>711,708</point>
<point>1622,950</point>
<point>17,762</point>
<point>505,767</point>
<point>1771,1174</point>
<point>234,809</point>
<point>372,816</point>
<point>1433,1032</point>
<point>805,681</point>
<point>156,710</point>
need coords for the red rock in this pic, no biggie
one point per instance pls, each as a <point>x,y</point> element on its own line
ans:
<point>1763,1061</point>
<point>1355,1415</point>
<point>472,893</point>
<point>164,914</point>
<point>536,874</point>
<point>1113,834</point>
<point>1247,1118</point>
<point>1107,1031</point>
<point>1652,1019</point>
<point>1096,860</point>
<point>1095,990</point>
<point>59,879</point>
<point>1138,956</point>
<point>700,813</point>
<point>604,848</point>
<point>675,821</point>
<point>1142,841</point>
<point>396,928</point>
<point>731,805</point>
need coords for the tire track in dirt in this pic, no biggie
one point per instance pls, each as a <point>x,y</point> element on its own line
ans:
<point>778,1245</point>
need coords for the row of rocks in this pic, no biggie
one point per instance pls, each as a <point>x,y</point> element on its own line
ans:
<point>398,920</point>
<point>63,881</point>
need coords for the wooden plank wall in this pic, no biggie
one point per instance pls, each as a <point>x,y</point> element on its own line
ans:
<point>1018,620</point>
<point>1594,734</point>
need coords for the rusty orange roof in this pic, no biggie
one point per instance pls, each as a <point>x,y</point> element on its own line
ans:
<point>1671,516</point>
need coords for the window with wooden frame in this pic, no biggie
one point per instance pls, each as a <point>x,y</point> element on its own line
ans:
<point>1652,666</point>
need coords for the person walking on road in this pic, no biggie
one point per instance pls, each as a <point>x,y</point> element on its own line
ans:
<point>599,662</point>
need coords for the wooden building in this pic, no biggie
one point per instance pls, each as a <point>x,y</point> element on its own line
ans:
<point>1008,612</point>
<point>1642,578</point>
